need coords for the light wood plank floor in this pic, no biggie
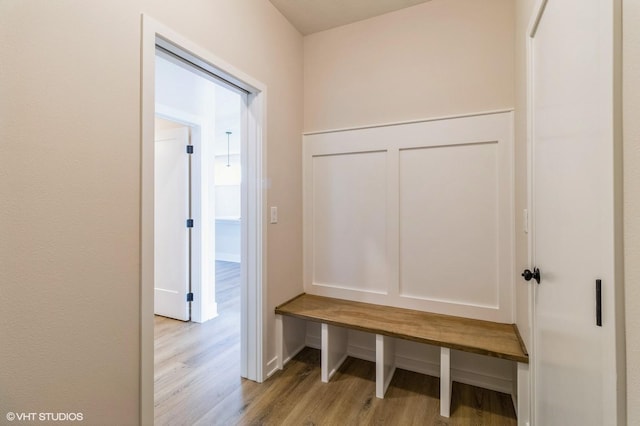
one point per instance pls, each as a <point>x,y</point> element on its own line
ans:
<point>197,380</point>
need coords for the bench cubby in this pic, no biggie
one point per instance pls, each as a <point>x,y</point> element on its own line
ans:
<point>388,323</point>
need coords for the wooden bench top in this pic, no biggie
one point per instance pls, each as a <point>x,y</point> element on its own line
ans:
<point>464,334</point>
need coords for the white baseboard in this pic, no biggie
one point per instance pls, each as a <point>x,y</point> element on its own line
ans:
<point>473,378</point>
<point>481,380</point>
<point>314,342</point>
<point>272,366</point>
<point>360,352</point>
<point>422,366</point>
<point>337,366</point>
<point>292,354</point>
<point>207,313</point>
<point>387,381</point>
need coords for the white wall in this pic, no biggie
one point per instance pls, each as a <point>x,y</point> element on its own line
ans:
<point>184,91</point>
<point>228,175</point>
<point>438,58</point>
<point>161,124</point>
<point>70,249</point>
<point>631,135</point>
<point>227,151</point>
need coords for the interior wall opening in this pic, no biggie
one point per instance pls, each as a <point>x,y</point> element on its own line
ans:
<point>200,128</point>
<point>252,360</point>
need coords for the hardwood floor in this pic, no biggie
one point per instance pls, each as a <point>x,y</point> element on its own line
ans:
<point>198,365</point>
<point>197,382</point>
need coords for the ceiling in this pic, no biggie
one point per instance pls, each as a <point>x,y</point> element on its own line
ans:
<point>311,16</point>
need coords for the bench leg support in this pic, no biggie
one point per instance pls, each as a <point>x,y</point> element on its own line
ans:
<point>445,382</point>
<point>385,363</point>
<point>523,407</point>
<point>280,341</point>
<point>334,350</point>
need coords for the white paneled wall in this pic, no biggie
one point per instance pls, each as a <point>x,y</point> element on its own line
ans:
<point>349,228</point>
<point>449,223</point>
<point>415,215</point>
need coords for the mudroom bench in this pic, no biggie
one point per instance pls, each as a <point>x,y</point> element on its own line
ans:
<point>387,322</point>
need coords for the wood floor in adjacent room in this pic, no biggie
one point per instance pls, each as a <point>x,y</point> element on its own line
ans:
<point>197,382</point>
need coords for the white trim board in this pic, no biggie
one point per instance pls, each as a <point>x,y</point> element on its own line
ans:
<point>400,123</point>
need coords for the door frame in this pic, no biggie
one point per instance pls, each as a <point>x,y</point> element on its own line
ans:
<point>536,15</point>
<point>177,308</point>
<point>254,228</point>
<point>612,15</point>
<point>197,129</point>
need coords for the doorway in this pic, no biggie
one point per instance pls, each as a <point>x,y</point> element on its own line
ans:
<point>252,225</point>
<point>173,240</point>
<point>199,132</point>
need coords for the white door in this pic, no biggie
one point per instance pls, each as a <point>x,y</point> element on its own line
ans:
<point>574,359</point>
<point>172,245</point>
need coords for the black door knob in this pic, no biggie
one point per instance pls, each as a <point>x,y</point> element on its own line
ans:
<point>527,274</point>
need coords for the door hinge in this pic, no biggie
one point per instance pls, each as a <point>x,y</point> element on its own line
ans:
<point>599,303</point>
<point>189,149</point>
<point>189,223</point>
<point>189,297</point>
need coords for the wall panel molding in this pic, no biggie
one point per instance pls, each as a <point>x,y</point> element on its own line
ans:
<point>416,215</point>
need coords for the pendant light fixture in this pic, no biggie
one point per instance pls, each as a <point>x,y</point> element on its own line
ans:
<point>228,152</point>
